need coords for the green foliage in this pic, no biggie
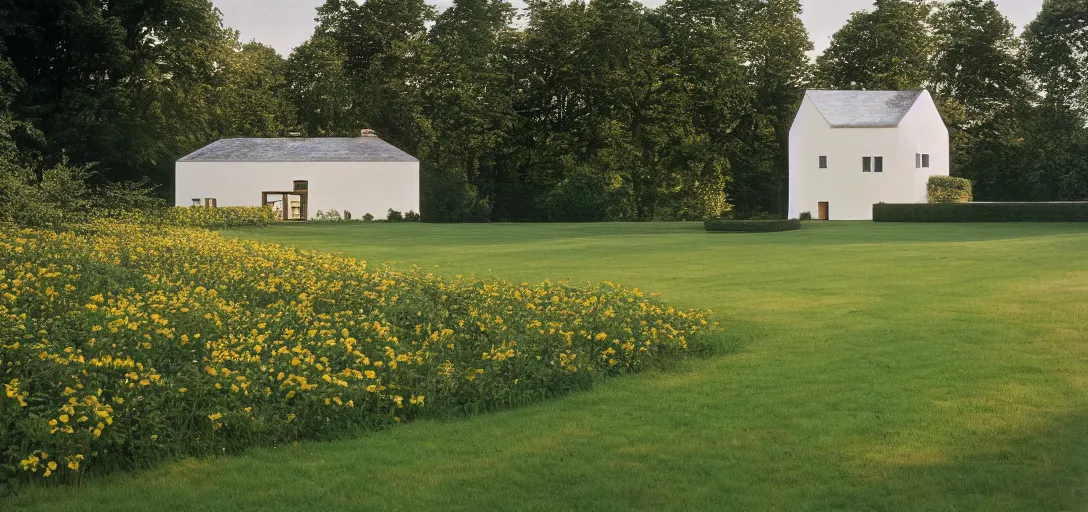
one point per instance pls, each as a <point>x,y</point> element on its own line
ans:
<point>411,216</point>
<point>369,217</point>
<point>1058,53</point>
<point>585,197</point>
<point>138,344</point>
<point>806,216</point>
<point>203,217</point>
<point>326,216</point>
<point>394,216</point>
<point>981,212</point>
<point>948,189</point>
<point>887,48</point>
<point>752,226</point>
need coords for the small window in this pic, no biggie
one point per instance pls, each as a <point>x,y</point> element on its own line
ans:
<point>196,201</point>
<point>823,162</point>
<point>917,160</point>
<point>866,164</point>
<point>879,164</point>
<point>925,160</point>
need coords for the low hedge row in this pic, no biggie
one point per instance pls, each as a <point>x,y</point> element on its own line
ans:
<point>981,212</point>
<point>752,226</point>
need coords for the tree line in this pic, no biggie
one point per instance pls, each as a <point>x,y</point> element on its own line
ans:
<point>561,111</point>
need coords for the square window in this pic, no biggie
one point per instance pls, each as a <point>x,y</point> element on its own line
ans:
<point>879,164</point>
<point>866,164</point>
<point>823,162</point>
<point>196,201</point>
<point>925,160</point>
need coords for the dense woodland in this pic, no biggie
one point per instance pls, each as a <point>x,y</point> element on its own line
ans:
<point>598,110</point>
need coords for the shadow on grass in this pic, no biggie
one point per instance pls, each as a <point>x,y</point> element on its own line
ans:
<point>1045,469</point>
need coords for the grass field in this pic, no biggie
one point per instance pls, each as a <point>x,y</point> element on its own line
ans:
<point>877,367</point>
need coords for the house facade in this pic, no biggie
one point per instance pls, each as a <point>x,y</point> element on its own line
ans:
<point>852,149</point>
<point>299,176</point>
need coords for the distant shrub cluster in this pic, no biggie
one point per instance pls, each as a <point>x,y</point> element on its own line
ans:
<point>122,345</point>
<point>981,212</point>
<point>948,189</point>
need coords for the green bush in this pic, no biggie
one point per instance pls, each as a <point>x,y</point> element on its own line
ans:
<point>947,189</point>
<point>981,212</point>
<point>752,226</point>
<point>394,216</point>
<point>806,216</point>
<point>199,216</point>
<point>329,216</point>
<point>369,217</point>
<point>411,216</point>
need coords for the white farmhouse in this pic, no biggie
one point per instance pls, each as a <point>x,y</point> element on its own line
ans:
<point>852,149</point>
<point>299,176</point>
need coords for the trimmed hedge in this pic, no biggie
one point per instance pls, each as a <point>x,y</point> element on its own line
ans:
<point>947,189</point>
<point>752,226</point>
<point>981,212</point>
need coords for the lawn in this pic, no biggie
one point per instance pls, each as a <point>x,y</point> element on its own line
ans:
<point>874,367</point>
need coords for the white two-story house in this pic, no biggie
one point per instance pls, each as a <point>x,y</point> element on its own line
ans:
<point>852,149</point>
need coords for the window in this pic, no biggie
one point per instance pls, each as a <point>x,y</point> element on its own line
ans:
<point>925,160</point>
<point>866,164</point>
<point>917,160</point>
<point>823,162</point>
<point>209,202</point>
<point>879,164</point>
<point>196,201</point>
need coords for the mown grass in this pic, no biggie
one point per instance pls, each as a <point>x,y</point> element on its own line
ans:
<point>880,367</point>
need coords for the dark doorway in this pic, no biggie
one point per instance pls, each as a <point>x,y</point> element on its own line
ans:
<point>823,212</point>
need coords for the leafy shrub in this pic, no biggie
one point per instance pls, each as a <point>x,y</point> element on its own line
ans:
<point>806,216</point>
<point>124,345</point>
<point>411,216</point>
<point>329,216</point>
<point>368,218</point>
<point>752,226</point>
<point>981,212</point>
<point>394,216</point>
<point>584,196</point>
<point>347,215</point>
<point>199,216</point>
<point>947,189</point>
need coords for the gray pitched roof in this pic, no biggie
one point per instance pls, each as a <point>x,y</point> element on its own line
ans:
<point>864,109</point>
<point>297,149</point>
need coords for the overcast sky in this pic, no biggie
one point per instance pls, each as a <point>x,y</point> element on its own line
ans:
<point>283,24</point>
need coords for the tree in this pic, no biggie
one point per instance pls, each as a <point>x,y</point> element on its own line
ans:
<point>251,97</point>
<point>319,89</point>
<point>467,97</point>
<point>1057,56</point>
<point>887,48</point>
<point>976,61</point>
<point>124,85</point>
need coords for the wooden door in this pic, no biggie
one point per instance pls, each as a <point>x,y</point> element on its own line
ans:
<point>823,213</point>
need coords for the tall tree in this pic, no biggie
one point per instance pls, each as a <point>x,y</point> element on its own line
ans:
<point>319,88</point>
<point>977,59</point>
<point>468,99</point>
<point>1057,43</point>
<point>250,96</point>
<point>887,48</point>
<point>121,82</point>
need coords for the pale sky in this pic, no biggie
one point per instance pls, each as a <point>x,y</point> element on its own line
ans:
<point>283,24</point>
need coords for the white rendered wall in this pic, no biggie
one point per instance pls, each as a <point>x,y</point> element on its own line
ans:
<point>849,192</point>
<point>359,187</point>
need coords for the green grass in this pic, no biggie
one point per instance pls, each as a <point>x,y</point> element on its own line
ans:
<point>880,367</point>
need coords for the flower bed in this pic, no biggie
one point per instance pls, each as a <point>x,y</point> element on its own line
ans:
<point>123,345</point>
